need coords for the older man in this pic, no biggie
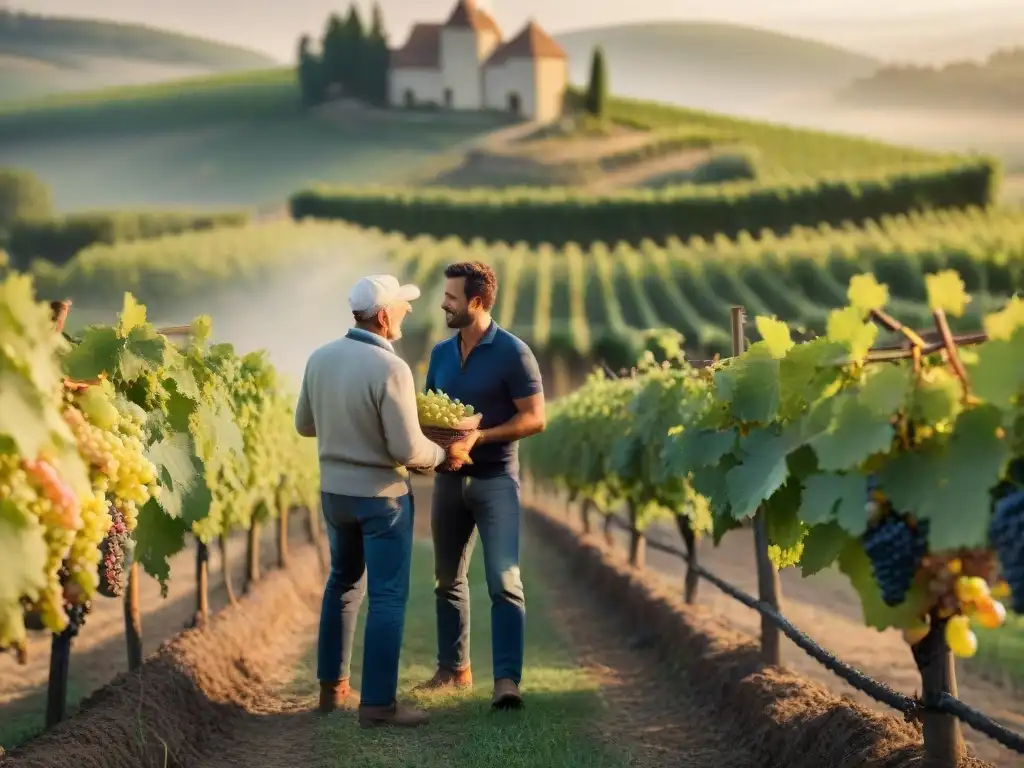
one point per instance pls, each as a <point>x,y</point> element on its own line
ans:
<point>358,399</point>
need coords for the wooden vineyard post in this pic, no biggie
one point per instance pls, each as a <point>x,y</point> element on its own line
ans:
<point>637,541</point>
<point>57,685</point>
<point>767,576</point>
<point>252,555</point>
<point>585,515</point>
<point>282,536</point>
<point>225,569</point>
<point>943,738</point>
<point>690,541</point>
<point>609,538</point>
<point>133,619</point>
<point>202,584</point>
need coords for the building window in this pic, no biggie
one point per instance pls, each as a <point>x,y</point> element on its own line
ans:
<point>514,105</point>
<point>449,97</point>
<point>410,98</point>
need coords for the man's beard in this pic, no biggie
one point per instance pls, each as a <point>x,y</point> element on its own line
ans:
<point>394,334</point>
<point>458,319</point>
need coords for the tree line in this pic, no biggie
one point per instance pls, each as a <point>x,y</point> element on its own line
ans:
<point>353,60</point>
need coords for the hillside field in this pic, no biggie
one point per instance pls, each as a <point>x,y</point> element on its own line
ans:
<point>42,55</point>
<point>236,139</point>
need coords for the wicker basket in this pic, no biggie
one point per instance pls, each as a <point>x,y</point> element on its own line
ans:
<point>445,436</point>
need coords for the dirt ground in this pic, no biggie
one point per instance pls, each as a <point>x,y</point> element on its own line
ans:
<point>99,653</point>
<point>827,609</point>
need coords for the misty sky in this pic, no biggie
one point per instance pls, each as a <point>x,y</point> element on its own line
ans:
<point>273,26</point>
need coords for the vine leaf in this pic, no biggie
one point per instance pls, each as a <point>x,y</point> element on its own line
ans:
<point>946,292</point>
<point>751,385</point>
<point>854,433</point>
<point>22,553</point>
<point>947,482</point>
<point>822,547</point>
<point>855,564</point>
<point>762,470</point>
<point>184,493</point>
<point>158,538</point>
<point>837,498</point>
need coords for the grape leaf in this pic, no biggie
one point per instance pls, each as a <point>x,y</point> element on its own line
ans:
<point>780,510</point>
<point>855,564</point>
<point>143,350</point>
<point>762,470</point>
<point>97,354</point>
<point>133,315</point>
<point>807,373</point>
<point>22,554</point>
<point>885,389</point>
<point>1004,324</point>
<point>937,397</point>
<point>184,493</point>
<point>691,449</point>
<point>774,335</point>
<point>997,373</point>
<point>946,292</point>
<point>948,482</point>
<point>751,385</point>
<point>866,293</point>
<point>836,498</point>
<point>158,538</point>
<point>215,430</point>
<point>20,409</point>
<point>854,434</point>
<point>847,327</point>
<point>822,547</point>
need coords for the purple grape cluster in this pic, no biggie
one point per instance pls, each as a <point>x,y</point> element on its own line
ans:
<point>114,549</point>
<point>1006,534</point>
<point>896,549</point>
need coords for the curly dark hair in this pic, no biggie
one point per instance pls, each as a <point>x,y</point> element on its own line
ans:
<point>480,281</point>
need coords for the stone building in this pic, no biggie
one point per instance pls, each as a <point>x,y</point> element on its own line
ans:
<point>466,64</point>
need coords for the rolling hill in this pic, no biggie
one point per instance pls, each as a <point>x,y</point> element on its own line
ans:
<point>42,55</point>
<point>725,67</point>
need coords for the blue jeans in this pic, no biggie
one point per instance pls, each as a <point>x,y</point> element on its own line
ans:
<point>371,546</point>
<point>462,505</point>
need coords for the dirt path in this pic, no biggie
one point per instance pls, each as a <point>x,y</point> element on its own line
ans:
<point>633,175</point>
<point>658,718</point>
<point>827,609</point>
<point>98,653</point>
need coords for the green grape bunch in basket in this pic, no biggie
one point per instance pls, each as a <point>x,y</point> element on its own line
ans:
<point>445,421</point>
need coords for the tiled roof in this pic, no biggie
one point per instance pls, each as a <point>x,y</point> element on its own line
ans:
<point>421,51</point>
<point>532,42</point>
<point>467,15</point>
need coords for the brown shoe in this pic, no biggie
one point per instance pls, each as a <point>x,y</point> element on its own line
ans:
<point>506,695</point>
<point>337,694</point>
<point>447,678</point>
<point>397,715</point>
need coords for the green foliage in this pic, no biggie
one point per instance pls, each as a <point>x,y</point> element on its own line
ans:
<point>596,101</point>
<point>22,195</point>
<point>559,216</point>
<point>58,239</point>
<point>794,429</point>
<point>593,303</point>
<point>354,60</point>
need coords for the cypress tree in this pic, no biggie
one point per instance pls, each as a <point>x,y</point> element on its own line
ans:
<point>356,64</point>
<point>380,59</point>
<point>333,48</point>
<point>596,102</point>
<point>311,86</point>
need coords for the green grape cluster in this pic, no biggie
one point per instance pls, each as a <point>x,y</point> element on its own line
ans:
<point>436,409</point>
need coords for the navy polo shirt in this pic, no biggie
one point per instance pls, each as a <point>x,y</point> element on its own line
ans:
<point>499,369</point>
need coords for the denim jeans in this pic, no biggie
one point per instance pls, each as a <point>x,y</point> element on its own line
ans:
<point>371,546</point>
<point>462,505</point>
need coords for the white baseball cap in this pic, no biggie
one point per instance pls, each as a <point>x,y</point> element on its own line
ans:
<point>374,293</point>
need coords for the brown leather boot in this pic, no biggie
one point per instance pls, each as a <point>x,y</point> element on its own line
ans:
<point>448,678</point>
<point>506,695</point>
<point>397,716</point>
<point>337,694</point>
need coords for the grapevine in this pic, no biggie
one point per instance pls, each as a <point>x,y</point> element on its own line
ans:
<point>903,474</point>
<point>117,447</point>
